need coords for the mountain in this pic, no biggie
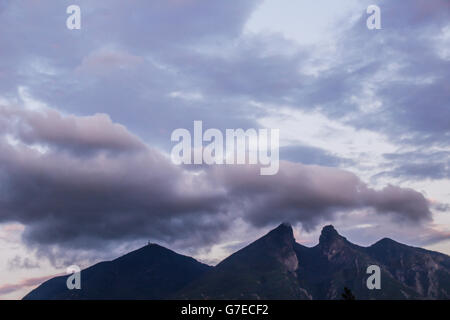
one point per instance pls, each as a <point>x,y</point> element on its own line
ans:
<point>335,263</point>
<point>272,267</point>
<point>266,269</point>
<point>426,272</point>
<point>152,272</point>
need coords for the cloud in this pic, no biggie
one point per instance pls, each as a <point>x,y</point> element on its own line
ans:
<point>50,128</point>
<point>312,155</point>
<point>409,78</point>
<point>22,263</point>
<point>433,237</point>
<point>367,229</point>
<point>129,68</point>
<point>417,165</point>
<point>75,199</point>
<point>313,194</point>
<point>88,200</point>
<point>24,284</point>
<point>105,62</point>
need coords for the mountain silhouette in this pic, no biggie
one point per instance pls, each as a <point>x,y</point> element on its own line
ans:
<point>265,269</point>
<point>152,272</point>
<point>273,267</point>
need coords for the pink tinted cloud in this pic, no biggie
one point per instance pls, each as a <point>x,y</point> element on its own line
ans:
<point>26,283</point>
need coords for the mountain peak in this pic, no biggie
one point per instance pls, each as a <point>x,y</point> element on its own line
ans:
<point>329,230</point>
<point>283,232</point>
<point>269,262</point>
<point>329,234</point>
<point>387,242</point>
<point>285,226</point>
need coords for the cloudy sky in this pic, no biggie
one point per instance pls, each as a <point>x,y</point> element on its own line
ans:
<point>86,118</point>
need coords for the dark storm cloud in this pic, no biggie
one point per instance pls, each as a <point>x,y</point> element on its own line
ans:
<point>82,135</point>
<point>312,194</point>
<point>74,200</point>
<point>67,200</point>
<point>405,203</point>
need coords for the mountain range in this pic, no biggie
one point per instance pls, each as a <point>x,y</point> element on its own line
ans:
<point>274,267</point>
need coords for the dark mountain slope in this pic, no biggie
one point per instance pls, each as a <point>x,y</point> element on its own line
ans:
<point>152,272</point>
<point>335,263</point>
<point>264,269</point>
<point>426,272</point>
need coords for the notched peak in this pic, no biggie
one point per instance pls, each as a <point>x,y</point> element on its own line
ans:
<point>329,234</point>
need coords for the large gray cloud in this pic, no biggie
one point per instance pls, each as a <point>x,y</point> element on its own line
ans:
<point>50,128</point>
<point>84,199</point>
<point>62,193</point>
<point>312,194</point>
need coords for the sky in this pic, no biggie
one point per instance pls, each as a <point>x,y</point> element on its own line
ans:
<point>86,118</point>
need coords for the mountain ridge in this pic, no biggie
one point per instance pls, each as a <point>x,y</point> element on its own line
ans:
<point>274,266</point>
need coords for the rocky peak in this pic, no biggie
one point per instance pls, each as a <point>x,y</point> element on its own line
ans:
<point>329,234</point>
<point>283,234</point>
<point>330,238</point>
<point>279,243</point>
